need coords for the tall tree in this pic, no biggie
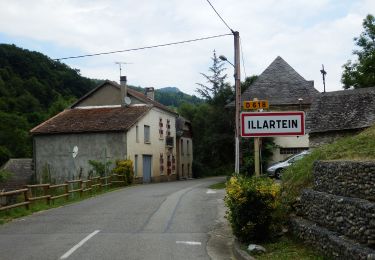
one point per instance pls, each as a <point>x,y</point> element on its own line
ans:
<point>216,80</point>
<point>361,73</point>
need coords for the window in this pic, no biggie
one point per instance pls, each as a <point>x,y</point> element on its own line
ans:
<point>173,163</point>
<point>168,131</point>
<point>182,147</point>
<point>169,164</point>
<point>187,147</point>
<point>136,165</point>
<point>147,134</point>
<point>137,134</point>
<point>161,128</point>
<point>161,160</point>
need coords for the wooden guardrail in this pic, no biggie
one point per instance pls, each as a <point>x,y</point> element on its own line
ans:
<point>12,193</point>
<point>49,192</point>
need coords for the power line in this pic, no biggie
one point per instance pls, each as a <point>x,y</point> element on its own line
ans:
<point>220,16</point>
<point>243,60</point>
<point>143,48</point>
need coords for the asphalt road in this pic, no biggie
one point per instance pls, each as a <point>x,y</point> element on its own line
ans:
<point>175,220</point>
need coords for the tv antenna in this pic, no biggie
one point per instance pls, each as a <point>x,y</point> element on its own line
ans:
<point>120,63</point>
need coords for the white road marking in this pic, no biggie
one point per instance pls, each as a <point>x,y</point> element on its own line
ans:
<point>209,191</point>
<point>74,248</point>
<point>190,243</point>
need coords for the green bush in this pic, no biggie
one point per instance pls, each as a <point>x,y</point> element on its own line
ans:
<point>4,175</point>
<point>125,167</point>
<point>251,203</point>
<point>99,168</point>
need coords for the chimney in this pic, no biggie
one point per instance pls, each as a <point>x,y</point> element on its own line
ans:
<point>150,93</point>
<point>123,90</point>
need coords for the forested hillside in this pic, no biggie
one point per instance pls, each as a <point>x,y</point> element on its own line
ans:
<point>172,96</point>
<point>32,88</point>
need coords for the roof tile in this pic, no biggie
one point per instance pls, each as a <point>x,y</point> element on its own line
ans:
<point>79,120</point>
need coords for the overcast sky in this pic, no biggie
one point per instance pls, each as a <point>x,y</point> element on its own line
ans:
<point>305,33</point>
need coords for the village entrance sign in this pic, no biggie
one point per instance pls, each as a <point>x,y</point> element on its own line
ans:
<point>263,124</point>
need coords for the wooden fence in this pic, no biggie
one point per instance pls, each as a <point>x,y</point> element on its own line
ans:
<point>51,192</point>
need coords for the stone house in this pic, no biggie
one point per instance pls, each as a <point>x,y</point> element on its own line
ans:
<point>21,171</point>
<point>340,113</point>
<point>285,90</point>
<point>109,123</point>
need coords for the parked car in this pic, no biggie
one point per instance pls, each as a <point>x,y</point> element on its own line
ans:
<point>276,169</point>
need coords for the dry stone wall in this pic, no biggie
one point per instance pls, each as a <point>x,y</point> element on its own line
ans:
<point>337,215</point>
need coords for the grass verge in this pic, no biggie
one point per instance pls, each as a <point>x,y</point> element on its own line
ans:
<point>217,186</point>
<point>299,175</point>
<point>289,249</point>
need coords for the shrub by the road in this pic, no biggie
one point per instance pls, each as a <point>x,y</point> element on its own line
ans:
<point>251,205</point>
<point>125,167</point>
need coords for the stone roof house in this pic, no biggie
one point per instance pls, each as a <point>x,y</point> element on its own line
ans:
<point>340,113</point>
<point>109,123</point>
<point>21,171</point>
<point>285,90</point>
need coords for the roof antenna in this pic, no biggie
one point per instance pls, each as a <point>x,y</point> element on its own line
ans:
<point>122,63</point>
<point>324,77</point>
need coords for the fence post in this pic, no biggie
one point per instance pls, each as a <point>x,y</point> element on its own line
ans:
<point>81,188</point>
<point>46,192</point>
<point>26,197</point>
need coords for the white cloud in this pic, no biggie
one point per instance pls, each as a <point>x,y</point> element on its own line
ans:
<point>305,33</point>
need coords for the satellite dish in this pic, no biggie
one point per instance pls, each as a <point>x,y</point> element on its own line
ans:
<point>75,151</point>
<point>127,101</point>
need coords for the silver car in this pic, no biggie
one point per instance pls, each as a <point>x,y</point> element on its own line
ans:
<point>276,169</point>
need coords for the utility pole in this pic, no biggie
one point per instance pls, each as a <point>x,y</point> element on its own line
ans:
<point>237,77</point>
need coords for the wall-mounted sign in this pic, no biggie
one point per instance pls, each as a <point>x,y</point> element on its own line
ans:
<point>256,104</point>
<point>261,124</point>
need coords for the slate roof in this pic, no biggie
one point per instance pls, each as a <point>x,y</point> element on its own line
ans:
<point>342,110</point>
<point>280,84</point>
<point>131,92</point>
<point>79,120</point>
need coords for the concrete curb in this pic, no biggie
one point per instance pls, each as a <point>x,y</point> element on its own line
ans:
<point>240,254</point>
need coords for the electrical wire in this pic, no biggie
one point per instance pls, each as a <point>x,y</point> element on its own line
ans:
<point>243,60</point>
<point>143,48</point>
<point>220,16</point>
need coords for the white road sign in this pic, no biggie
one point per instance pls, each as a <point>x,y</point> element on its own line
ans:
<point>259,124</point>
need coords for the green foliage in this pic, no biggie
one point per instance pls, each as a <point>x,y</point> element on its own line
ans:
<point>125,167</point>
<point>4,155</point>
<point>299,175</point>
<point>216,80</point>
<point>361,74</point>
<point>251,203</point>
<point>33,87</point>
<point>288,248</point>
<point>247,146</point>
<point>4,175</point>
<point>99,168</point>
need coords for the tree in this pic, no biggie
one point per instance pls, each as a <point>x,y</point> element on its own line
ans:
<point>361,74</point>
<point>216,80</point>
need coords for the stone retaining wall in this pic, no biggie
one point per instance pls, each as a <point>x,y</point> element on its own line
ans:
<point>354,218</point>
<point>338,213</point>
<point>346,178</point>
<point>330,243</point>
